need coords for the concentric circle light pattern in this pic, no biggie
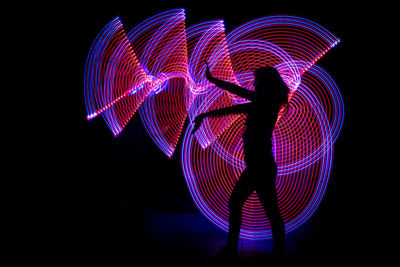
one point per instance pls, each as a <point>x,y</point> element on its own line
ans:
<point>158,69</point>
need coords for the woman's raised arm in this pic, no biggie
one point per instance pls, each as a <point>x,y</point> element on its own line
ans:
<point>230,87</point>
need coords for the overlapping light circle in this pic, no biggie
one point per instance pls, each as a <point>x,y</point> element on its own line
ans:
<point>158,69</point>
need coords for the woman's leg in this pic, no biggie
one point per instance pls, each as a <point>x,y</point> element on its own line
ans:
<point>241,192</point>
<point>266,192</point>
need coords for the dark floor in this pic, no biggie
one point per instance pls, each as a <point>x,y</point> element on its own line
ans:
<point>187,239</point>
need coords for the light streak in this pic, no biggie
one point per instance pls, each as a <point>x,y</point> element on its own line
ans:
<point>158,68</point>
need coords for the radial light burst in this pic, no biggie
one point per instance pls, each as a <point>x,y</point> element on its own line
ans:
<point>158,68</point>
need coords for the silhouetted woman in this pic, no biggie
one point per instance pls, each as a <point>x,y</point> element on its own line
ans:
<point>269,96</point>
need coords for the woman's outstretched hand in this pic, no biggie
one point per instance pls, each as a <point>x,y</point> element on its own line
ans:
<point>208,73</point>
<point>197,122</point>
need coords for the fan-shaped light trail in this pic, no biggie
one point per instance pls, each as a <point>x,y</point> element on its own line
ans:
<point>158,69</point>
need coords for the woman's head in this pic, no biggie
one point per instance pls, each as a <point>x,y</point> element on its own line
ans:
<point>269,84</point>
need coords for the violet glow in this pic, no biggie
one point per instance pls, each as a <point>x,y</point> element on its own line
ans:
<point>158,69</point>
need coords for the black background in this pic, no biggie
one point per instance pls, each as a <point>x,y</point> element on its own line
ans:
<point>105,184</point>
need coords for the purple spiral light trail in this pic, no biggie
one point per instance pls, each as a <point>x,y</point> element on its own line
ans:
<point>158,69</point>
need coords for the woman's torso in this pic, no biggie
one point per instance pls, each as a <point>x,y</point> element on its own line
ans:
<point>257,138</point>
